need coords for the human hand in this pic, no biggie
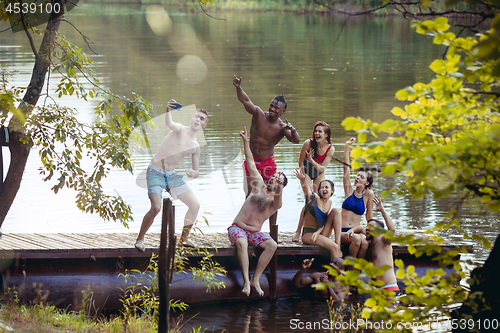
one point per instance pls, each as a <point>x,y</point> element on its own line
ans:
<point>379,207</point>
<point>350,141</point>
<point>287,125</point>
<point>192,173</point>
<point>306,263</point>
<point>299,173</point>
<point>237,81</point>
<point>314,236</point>
<point>310,154</point>
<point>350,232</point>
<point>323,277</point>
<point>170,105</point>
<point>243,134</point>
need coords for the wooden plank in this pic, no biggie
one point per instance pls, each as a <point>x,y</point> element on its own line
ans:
<point>28,243</point>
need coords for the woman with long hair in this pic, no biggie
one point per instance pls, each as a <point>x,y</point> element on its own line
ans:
<point>358,201</point>
<point>314,157</point>
<point>319,217</point>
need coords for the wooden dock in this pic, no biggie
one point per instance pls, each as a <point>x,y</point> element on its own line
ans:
<point>113,245</point>
<point>63,265</point>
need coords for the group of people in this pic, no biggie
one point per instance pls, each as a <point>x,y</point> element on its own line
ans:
<point>264,188</point>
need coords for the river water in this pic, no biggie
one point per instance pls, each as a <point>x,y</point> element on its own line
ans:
<point>327,68</point>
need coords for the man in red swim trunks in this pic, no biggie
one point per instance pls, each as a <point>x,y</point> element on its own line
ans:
<point>266,131</point>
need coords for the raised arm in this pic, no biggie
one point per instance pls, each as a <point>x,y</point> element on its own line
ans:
<point>290,132</point>
<point>256,178</point>
<point>168,117</point>
<point>347,170</point>
<point>380,208</point>
<point>243,97</point>
<point>369,204</point>
<point>299,173</point>
<point>298,280</point>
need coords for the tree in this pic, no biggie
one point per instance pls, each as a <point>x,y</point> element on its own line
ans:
<point>62,140</point>
<point>444,140</point>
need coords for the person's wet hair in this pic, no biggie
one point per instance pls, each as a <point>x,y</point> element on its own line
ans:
<point>380,223</point>
<point>281,98</point>
<point>332,185</point>
<point>205,112</point>
<point>285,180</point>
<point>328,132</point>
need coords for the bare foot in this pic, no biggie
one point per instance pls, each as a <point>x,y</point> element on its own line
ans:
<point>296,238</point>
<point>246,289</point>
<point>256,285</point>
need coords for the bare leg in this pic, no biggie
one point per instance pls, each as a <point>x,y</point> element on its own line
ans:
<point>363,247</point>
<point>193,208</point>
<point>325,243</point>
<point>355,245</point>
<point>299,227</point>
<point>269,247</point>
<point>333,222</point>
<point>148,219</point>
<point>242,248</point>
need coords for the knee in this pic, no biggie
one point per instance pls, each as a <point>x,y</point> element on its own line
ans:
<point>364,244</point>
<point>355,240</point>
<point>155,209</point>
<point>271,245</point>
<point>241,244</point>
<point>195,206</point>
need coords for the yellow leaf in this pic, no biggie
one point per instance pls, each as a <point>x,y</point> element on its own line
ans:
<point>400,274</point>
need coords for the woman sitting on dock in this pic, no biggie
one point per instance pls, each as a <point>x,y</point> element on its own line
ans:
<point>314,157</point>
<point>318,218</point>
<point>358,199</point>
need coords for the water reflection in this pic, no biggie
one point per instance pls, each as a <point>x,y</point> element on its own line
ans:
<point>323,75</point>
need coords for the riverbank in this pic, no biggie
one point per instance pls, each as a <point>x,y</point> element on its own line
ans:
<point>296,6</point>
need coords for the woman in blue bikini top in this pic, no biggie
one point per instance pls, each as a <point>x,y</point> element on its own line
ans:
<point>358,200</point>
<point>318,215</point>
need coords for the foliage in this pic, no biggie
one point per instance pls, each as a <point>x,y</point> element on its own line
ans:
<point>342,316</point>
<point>65,144</point>
<point>139,294</point>
<point>445,140</point>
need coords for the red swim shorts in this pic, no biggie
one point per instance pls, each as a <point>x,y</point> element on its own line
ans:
<point>253,237</point>
<point>266,167</point>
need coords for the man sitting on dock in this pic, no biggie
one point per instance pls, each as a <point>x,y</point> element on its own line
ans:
<point>180,142</point>
<point>263,200</point>
<point>380,248</point>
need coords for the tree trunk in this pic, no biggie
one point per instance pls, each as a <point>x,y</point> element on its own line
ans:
<point>19,151</point>
<point>483,303</point>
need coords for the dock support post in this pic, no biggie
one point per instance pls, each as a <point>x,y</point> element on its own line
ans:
<point>165,264</point>
<point>4,142</point>
<point>273,269</point>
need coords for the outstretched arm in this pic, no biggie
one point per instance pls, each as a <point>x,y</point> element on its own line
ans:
<point>306,188</point>
<point>347,171</point>
<point>298,280</point>
<point>243,97</point>
<point>255,177</point>
<point>168,117</point>
<point>380,208</point>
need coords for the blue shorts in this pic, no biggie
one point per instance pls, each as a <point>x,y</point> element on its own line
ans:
<point>169,180</point>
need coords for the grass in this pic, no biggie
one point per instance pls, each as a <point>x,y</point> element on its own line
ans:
<point>41,318</point>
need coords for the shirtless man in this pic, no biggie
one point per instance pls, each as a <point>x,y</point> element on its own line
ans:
<point>380,248</point>
<point>337,293</point>
<point>180,142</point>
<point>266,131</point>
<point>263,200</point>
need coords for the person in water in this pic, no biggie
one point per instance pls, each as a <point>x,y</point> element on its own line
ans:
<point>358,201</point>
<point>337,293</point>
<point>180,142</point>
<point>263,200</point>
<point>319,217</point>
<point>314,157</point>
<point>380,248</point>
<point>266,132</point>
